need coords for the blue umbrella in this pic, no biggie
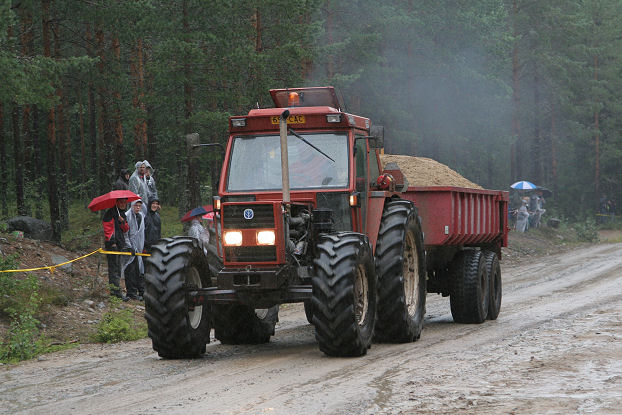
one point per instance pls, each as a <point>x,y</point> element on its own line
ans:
<point>197,211</point>
<point>524,185</point>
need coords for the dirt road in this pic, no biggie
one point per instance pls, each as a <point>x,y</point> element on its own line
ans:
<point>556,348</point>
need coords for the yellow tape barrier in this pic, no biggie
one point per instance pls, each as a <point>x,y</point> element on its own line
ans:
<point>53,267</point>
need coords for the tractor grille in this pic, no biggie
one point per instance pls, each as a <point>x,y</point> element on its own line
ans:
<point>250,254</point>
<point>233,217</point>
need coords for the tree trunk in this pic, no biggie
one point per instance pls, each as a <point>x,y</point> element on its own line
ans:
<point>18,158</point>
<point>82,138</point>
<point>61,143</point>
<point>27,40</point>
<point>330,66</point>
<point>138,101</point>
<point>258,29</point>
<point>515,161</point>
<point>119,159</point>
<point>3,167</point>
<point>38,161</point>
<point>188,166</point>
<point>553,148</point>
<point>51,134</point>
<point>596,138</point>
<point>536,150</point>
<point>92,120</point>
<point>103,124</point>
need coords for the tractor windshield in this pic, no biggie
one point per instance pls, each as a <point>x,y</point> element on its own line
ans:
<point>255,162</point>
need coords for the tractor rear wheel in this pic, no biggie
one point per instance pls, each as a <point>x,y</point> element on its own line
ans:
<point>344,294</point>
<point>241,324</point>
<point>177,329</point>
<point>469,298</point>
<point>494,285</point>
<point>400,261</point>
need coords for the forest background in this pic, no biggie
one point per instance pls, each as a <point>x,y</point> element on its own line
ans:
<point>499,90</point>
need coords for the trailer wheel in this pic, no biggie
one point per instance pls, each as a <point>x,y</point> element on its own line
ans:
<point>344,294</point>
<point>241,324</point>
<point>494,285</point>
<point>469,297</point>
<point>400,262</point>
<point>176,329</point>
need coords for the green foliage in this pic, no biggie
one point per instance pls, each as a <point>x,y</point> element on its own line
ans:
<point>437,74</point>
<point>587,231</point>
<point>15,293</point>
<point>23,340</point>
<point>119,325</point>
<point>20,301</point>
<point>171,225</point>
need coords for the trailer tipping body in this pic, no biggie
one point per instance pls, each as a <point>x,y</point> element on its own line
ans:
<point>452,216</point>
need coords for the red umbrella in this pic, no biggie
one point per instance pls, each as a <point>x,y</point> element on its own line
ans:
<point>197,211</point>
<point>110,199</point>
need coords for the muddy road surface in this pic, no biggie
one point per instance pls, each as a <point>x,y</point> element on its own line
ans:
<point>555,348</point>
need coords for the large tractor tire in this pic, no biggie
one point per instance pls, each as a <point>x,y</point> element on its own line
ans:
<point>494,284</point>
<point>309,311</point>
<point>469,297</point>
<point>400,262</point>
<point>241,324</point>
<point>344,294</point>
<point>177,330</point>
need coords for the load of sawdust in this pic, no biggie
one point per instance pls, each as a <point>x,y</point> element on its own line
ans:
<point>421,171</point>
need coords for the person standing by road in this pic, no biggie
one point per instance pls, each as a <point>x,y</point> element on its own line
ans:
<point>115,229</point>
<point>133,267</point>
<point>152,191</point>
<point>138,183</point>
<point>153,225</point>
<point>197,231</point>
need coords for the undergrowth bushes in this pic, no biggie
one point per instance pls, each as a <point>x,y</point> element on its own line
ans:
<point>19,302</point>
<point>119,325</point>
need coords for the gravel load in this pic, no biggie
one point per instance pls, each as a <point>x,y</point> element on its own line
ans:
<point>422,171</point>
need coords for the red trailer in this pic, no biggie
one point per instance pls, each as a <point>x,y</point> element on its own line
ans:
<point>461,216</point>
<point>306,213</point>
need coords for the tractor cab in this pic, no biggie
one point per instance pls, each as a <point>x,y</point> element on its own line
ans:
<point>333,163</point>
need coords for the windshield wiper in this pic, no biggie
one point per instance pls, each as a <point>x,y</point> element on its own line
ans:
<point>305,141</point>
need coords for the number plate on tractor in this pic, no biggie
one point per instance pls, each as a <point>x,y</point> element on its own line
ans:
<point>292,119</point>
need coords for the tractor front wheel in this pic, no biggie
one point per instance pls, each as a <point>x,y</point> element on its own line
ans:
<point>344,294</point>
<point>177,328</point>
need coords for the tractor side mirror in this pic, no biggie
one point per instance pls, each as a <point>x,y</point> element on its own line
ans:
<point>376,136</point>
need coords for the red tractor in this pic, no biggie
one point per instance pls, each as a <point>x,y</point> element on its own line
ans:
<point>305,214</point>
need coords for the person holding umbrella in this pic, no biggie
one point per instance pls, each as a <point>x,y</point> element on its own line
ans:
<point>133,267</point>
<point>196,229</point>
<point>115,230</point>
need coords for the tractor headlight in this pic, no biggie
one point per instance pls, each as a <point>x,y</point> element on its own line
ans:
<point>333,117</point>
<point>233,238</point>
<point>265,238</point>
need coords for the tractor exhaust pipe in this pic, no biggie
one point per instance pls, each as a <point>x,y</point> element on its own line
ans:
<point>284,157</point>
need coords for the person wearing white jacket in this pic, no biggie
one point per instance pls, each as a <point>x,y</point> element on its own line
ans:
<point>134,268</point>
<point>152,191</point>
<point>138,183</point>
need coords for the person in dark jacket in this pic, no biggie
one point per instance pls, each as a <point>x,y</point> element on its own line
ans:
<point>153,225</point>
<point>115,230</point>
<point>123,182</point>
